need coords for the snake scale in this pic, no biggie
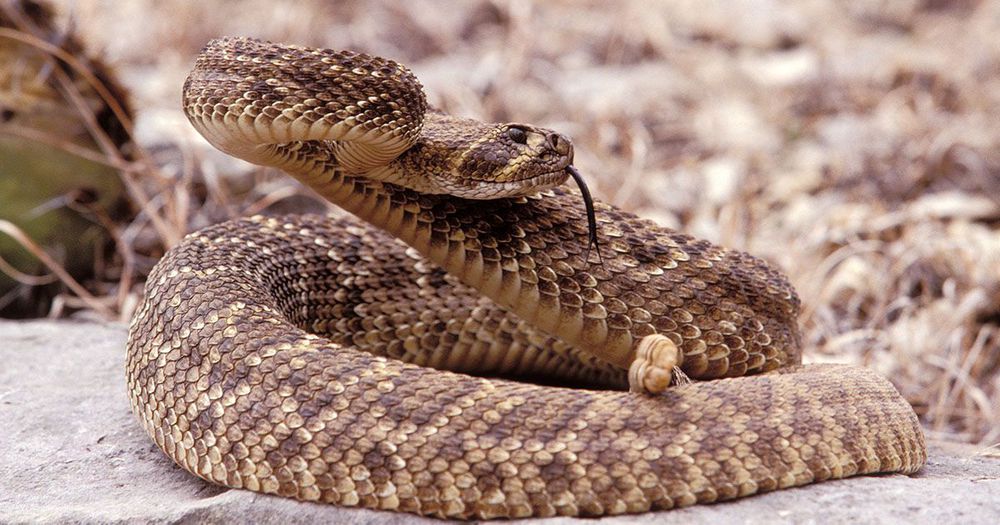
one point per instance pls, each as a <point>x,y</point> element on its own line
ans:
<point>470,356</point>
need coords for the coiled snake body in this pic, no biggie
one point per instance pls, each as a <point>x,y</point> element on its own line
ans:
<point>296,355</point>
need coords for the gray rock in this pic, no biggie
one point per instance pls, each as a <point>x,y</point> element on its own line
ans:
<point>71,451</point>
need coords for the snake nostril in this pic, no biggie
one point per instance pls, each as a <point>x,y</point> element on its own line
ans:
<point>559,143</point>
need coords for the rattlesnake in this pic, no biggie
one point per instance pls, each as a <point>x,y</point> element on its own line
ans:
<point>292,355</point>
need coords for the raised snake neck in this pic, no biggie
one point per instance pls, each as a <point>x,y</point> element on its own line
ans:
<point>268,353</point>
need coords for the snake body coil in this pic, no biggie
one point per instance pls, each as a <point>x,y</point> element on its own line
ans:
<point>297,355</point>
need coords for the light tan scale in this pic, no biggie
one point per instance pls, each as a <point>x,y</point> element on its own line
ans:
<point>333,360</point>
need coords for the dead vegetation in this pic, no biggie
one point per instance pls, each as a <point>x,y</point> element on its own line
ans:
<point>855,144</point>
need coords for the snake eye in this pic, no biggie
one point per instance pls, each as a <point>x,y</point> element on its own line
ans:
<point>517,135</point>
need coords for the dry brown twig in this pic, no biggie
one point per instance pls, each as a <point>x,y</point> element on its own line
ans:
<point>168,220</point>
<point>89,299</point>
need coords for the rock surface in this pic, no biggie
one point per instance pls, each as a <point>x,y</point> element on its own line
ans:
<point>71,451</point>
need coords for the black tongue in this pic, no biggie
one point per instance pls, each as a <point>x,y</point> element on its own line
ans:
<point>588,202</point>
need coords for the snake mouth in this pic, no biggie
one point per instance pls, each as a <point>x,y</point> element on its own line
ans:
<point>490,190</point>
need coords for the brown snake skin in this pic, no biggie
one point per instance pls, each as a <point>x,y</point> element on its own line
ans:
<point>296,355</point>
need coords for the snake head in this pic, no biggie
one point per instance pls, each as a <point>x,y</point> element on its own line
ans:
<point>515,159</point>
<point>476,160</point>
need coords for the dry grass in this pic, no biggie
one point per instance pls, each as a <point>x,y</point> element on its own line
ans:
<point>855,144</point>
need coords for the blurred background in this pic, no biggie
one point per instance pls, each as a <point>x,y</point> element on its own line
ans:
<point>855,144</point>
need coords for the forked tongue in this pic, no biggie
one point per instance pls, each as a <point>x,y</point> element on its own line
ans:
<point>588,202</point>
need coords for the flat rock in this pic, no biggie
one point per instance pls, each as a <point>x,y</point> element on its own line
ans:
<point>71,451</point>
